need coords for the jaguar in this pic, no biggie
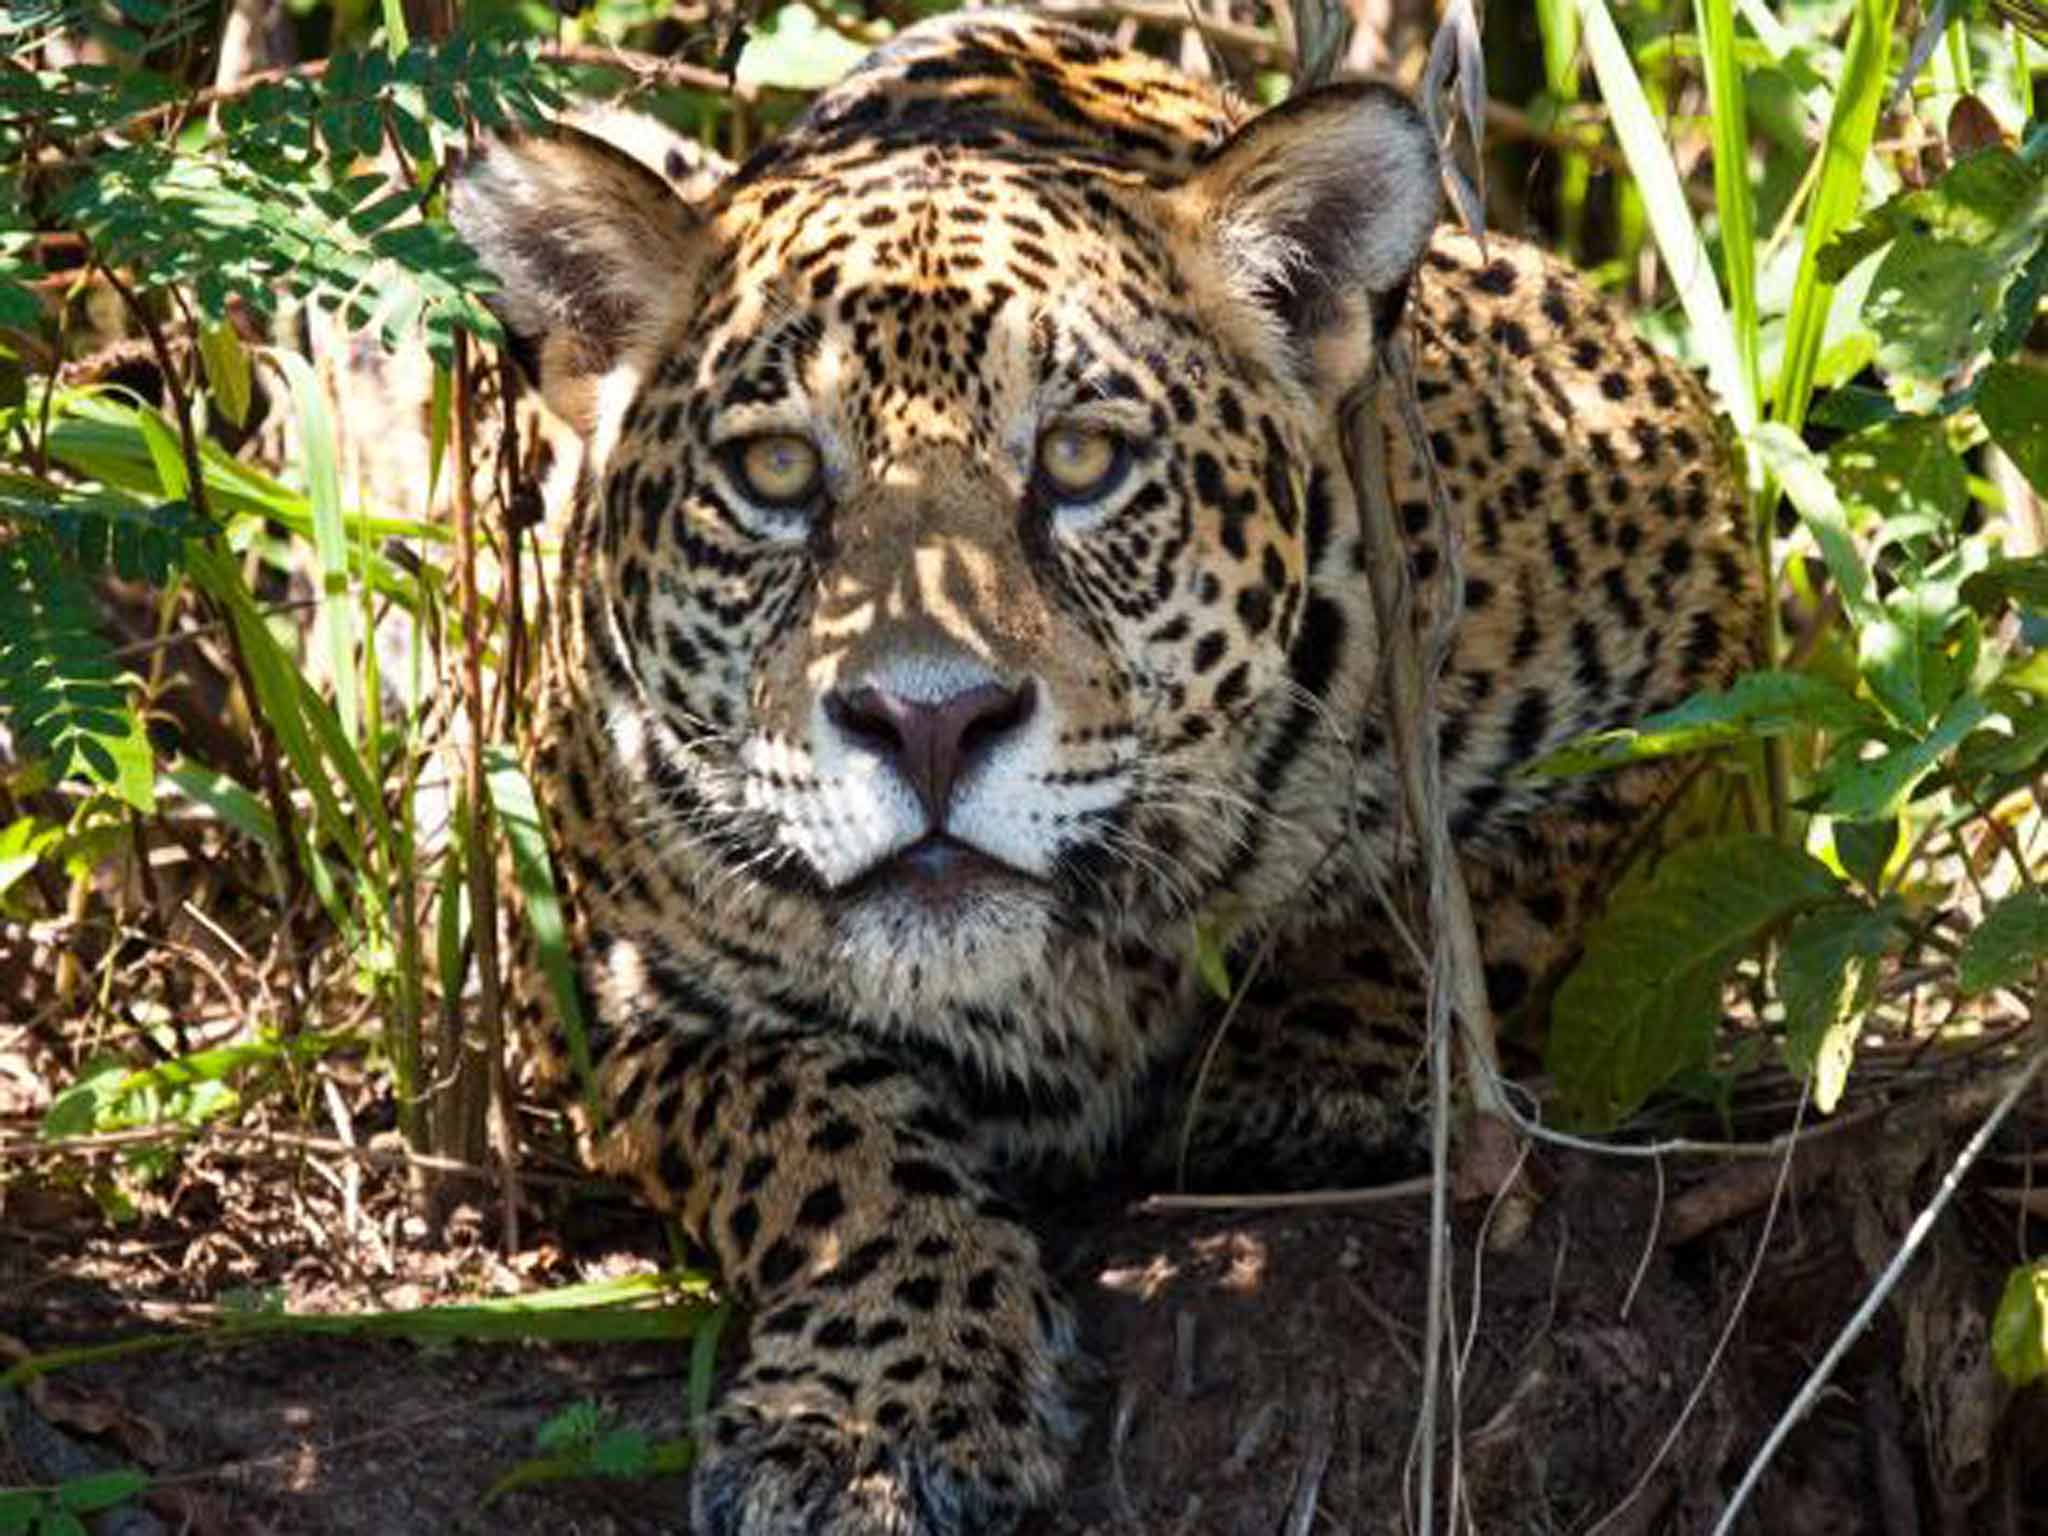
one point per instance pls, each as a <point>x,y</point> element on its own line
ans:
<point>964,639</point>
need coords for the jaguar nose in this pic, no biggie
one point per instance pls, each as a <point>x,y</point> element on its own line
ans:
<point>931,743</point>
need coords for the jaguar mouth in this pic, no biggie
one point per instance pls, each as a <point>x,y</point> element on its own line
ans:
<point>937,871</point>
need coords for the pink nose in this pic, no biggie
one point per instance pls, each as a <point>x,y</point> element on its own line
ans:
<point>930,743</point>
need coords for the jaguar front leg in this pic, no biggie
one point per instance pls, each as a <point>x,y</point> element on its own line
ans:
<point>906,1366</point>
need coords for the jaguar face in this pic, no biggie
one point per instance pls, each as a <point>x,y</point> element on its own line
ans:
<point>952,539</point>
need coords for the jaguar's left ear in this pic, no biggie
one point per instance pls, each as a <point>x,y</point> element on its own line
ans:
<point>1316,214</point>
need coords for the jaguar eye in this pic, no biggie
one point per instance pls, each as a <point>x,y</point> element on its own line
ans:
<point>1080,463</point>
<point>778,469</point>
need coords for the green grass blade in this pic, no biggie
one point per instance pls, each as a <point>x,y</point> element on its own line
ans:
<point>280,696</point>
<point>1835,199</point>
<point>319,453</point>
<point>1729,108</point>
<point>519,814</point>
<point>633,1307</point>
<point>1671,221</point>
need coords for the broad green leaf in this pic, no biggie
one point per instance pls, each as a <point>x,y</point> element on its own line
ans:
<point>2019,1328</point>
<point>2022,303</point>
<point>1758,705</point>
<point>1644,1002</point>
<point>2013,400</point>
<point>1933,306</point>
<point>2008,946</point>
<point>1935,300</point>
<point>186,1090</point>
<point>1905,468</point>
<point>2021,748</point>
<point>1873,788</point>
<point>1903,651</point>
<point>1990,200</point>
<point>1865,849</point>
<point>1827,978</point>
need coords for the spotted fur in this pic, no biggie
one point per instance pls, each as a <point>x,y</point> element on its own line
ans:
<point>839,1045</point>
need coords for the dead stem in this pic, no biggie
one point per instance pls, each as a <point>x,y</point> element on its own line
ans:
<point>480,867</point>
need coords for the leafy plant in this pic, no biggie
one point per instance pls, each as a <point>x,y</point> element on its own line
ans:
<point>1919,704</point>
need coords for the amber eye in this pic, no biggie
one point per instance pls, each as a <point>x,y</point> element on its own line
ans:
<point>1080,462</point>
<point>778,469</point>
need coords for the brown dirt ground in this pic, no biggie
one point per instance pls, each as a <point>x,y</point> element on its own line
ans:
<point>1260,1369</point>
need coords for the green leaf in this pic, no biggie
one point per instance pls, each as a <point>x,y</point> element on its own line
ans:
<point>2013,400</point>
<point>1934,307</point>
<point>1991,200</point>
<point>1957,248</point>
<point>1873,788</point>
<point>1865,849</point>
<point>1904,655</point>
<point>1645,1001</point>
<point>19,1510</point>
<point>227,369</point>
<point>103,1490</point>
<point>1758,705</point>
<point>2019,1328</point>
<point>622,1453</point>
<point>233,804</point>
<point>186,1090</point>
<point>1210,964</point>
<point>574,1427</point>
<point>1734,192</point>
<point>1904,468</point>
<point>2008,946</point>
<point>1827,979</point>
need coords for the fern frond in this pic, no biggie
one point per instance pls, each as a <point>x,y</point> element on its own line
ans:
<point>99,528</point>
<point>62,693</point>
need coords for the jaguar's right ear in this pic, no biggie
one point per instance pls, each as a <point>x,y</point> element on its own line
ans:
<point>590,248</point>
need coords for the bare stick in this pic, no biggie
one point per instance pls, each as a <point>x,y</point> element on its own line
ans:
<point>1288,1200</point>
<point>1410,669</point>
<point>482,866</point>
